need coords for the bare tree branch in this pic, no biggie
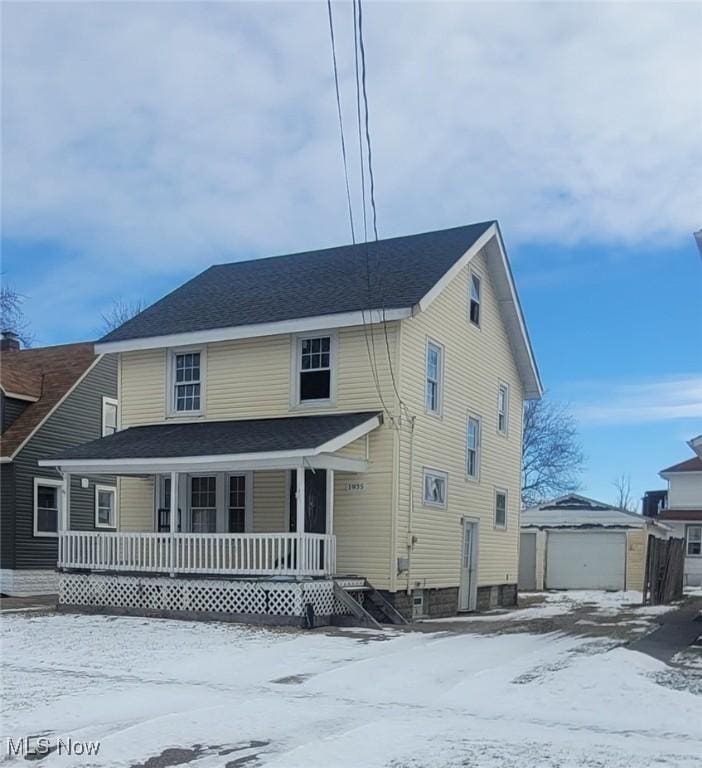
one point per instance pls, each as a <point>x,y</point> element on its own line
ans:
<point>624,499</point>
<point>12,315</point>
<point>119,313</point>
<point>552,457</point>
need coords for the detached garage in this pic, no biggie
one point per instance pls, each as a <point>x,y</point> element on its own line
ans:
<point>578,543</point>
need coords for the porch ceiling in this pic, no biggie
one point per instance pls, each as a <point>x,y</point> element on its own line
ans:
<point>243,444</point>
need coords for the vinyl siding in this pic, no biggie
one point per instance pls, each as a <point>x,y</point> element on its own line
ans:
<point>137,506</point>
<point>636,548</point>
<point>685,490</point>
<point>7,516</point>
<point>10,409</point>
<point>77,420</point>
<point>252,378</point>
<point>475,361</point>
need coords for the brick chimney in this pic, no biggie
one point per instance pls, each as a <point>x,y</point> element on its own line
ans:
<point>9,341</point>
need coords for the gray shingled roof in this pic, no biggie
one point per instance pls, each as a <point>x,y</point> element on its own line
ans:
<point>218,438</point>
<point>330,281</point>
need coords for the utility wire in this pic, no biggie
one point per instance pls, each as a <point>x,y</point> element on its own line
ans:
<point>341,121</point>
<point>358,36</point>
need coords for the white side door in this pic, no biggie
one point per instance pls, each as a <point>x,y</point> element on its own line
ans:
<point>468,585</point>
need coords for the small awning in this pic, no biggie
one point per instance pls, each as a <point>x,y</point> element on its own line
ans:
<point>223,445</point>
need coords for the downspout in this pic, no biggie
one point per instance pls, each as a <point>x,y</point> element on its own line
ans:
<point>410,536</point>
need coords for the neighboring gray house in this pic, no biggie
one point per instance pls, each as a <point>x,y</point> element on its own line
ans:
<point>51,398</point>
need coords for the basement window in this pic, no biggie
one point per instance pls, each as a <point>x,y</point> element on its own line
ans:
<point>694,540</point>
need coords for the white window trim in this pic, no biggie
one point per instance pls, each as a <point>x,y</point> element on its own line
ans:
<point>295,368</point>
<point>503,385</point>
<point>438,413</point>
<point>426,471</point>
<point>106,489</point>
<point>478,458</point>
<point>59,485</point>
<point>171,399</point>
<point>688,528</point>
<point>501,526</point>
<point>219,506</point>
<point>110,401</point>
<point>474,273</point>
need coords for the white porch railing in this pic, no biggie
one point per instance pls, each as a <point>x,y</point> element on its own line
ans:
<point>240,554</point>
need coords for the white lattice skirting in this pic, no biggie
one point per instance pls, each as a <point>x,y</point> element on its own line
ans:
<point>162,593</point>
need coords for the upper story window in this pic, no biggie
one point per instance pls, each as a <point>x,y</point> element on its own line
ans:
<point>434,383</point>
<point>47,505</point>
<point>473,448</point>
<point>500,509</point>
<point>474,312</point>
<point>435,483</point>
<point>187,381</point>
<point>105,506</point>
<point>502,408</point>
<point>694,540</point>
<point>109,416</point>
<point>314,368</point>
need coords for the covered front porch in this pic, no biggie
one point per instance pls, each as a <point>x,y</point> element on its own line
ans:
<point>249,503</point>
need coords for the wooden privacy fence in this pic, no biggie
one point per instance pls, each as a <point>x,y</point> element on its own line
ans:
<point>665,561</point>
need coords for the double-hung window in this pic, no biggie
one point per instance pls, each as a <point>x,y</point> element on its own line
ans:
<point>187,382</point>
<point>105,506</point>
<point>502,408</point>
<point>694,540</point>
<point>203,503</point>
<point>474,299</point>
<point>473,448</point>
<point>237,504</point>
<point>434,377</point>
<point>109,416</point>
<point>500,509</point>
<point>434,492</point>
<point>47,503</point>
<point>314,368</point>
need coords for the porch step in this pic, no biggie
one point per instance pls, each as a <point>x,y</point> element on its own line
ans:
<point>355,607</point>
<point>383,606</point>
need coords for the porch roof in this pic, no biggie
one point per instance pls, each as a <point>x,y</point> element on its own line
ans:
<point>256,443</point>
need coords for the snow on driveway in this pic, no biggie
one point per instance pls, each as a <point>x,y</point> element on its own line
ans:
<point>227,696</point>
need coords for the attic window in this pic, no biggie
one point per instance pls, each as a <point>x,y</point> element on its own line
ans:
<point>315,364</point>
<point>474,299</point>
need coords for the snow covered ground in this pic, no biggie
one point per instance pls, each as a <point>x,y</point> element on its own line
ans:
<point>225,696</point>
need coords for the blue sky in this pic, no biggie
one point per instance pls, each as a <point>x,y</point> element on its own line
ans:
<point>143,142</point>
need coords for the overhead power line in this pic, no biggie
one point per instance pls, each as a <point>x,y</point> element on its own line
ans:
<point>341,120</point>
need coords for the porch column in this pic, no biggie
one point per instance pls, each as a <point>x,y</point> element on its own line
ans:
<point>63,518</point>
<point>173,520</point>
<point>300,510</point>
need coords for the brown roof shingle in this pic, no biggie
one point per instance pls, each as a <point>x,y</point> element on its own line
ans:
<point>689,465</point>
<point>46,373</point>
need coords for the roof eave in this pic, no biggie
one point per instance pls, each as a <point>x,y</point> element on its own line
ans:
<point>292,325</point>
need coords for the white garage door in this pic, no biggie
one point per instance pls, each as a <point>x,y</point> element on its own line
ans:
<point>585,560</point>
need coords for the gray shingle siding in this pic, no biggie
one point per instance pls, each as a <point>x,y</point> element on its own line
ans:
<point>11,408</point>
<point>7,516</point>
<point>77,420</point>
<point>392,273</point>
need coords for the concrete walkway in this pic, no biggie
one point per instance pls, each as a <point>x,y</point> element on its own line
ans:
<point>679,629</point>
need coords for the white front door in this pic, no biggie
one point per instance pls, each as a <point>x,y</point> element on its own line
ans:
<point>467,590</point>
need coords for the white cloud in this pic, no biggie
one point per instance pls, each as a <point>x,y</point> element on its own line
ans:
<point>667,399</point>
<point>152,138</point>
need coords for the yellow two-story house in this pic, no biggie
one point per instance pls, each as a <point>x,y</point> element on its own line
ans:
<point>344,419</point>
